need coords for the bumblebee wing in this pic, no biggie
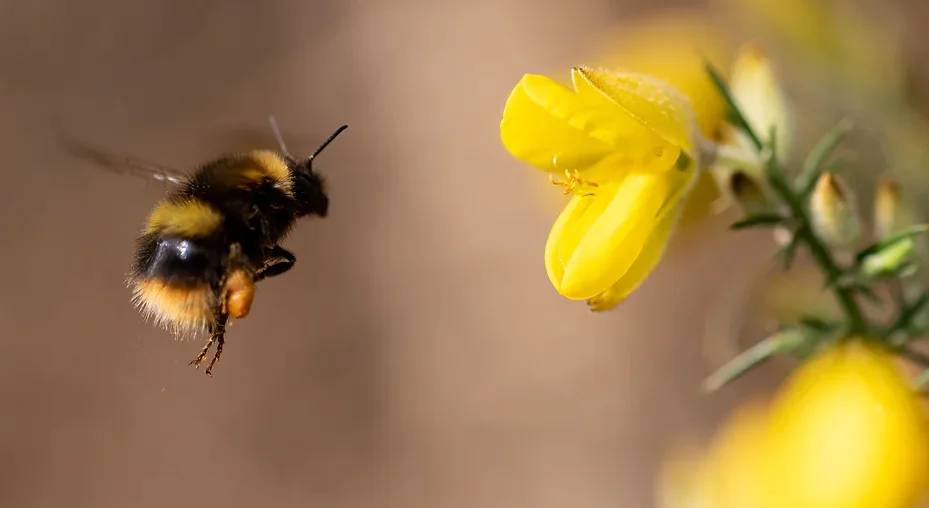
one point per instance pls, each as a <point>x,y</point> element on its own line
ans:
<point>129,166</point>
<point>143,169</point>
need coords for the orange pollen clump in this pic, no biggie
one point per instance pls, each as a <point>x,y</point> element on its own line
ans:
<point>240,291</point>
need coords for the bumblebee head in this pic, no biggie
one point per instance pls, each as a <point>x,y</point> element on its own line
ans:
<point>310,190</point>
<point>309,186</point>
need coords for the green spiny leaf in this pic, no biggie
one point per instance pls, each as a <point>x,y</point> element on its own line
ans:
<point>908,314</point>
<point>738,119</point>
<point>814,165</point>
<point>758,220</point>
<point>789,251</point>
<point>785,342</point>
<point>817,323</point>
<point>909,232</point>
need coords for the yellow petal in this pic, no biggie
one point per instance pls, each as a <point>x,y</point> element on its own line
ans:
<point>758,94</point>
<point>596,247</point>
<point>573,212</point>
<point>576,218</point>
<point>654,248</point>
<point>654,103</point>
<point>547,125</point>
<point>673,46</point>
<point>555,128</point>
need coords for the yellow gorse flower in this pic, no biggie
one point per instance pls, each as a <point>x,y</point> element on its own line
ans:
<point>848,431</point>
<point>673,45</point>
<point>845,431</point>
<point>625,144</point>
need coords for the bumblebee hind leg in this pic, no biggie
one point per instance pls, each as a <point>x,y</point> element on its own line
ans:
<point>218,336</point>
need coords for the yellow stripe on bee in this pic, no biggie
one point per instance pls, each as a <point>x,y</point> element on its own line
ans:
<point>178,309</point>
<point>271,165</point>
<point>191,218</point>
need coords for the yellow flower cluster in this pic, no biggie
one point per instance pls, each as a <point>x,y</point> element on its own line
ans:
<point>846,431</point>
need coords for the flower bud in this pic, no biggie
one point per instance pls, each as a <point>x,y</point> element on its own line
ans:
<point>833,212</point>
<point>758,93</point>
<point>888,214</point>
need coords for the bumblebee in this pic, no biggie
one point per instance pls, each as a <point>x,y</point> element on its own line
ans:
<point>204,246</point>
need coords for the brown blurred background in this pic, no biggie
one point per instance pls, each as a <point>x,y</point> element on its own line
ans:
<point>417,355</point>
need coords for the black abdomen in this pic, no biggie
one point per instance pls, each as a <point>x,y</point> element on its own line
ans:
<point>177,261</point>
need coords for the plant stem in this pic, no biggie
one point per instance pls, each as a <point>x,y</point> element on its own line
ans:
<point>795,202</point>
<point>820,253</point>
<point>907,313</point>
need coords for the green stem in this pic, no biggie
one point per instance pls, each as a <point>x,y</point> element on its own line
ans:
<point>907,313</point>
<point>781,343</point>
<point>785,190</point>
<point>819,251</point>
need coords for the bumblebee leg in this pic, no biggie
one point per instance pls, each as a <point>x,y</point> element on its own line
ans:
<point>278,261</point>
<point>217,335</point>
<point>220,340</point>
<point>203,352</point>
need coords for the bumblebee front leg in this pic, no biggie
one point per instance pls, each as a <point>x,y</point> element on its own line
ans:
<point>277,262</point>
<point>217,335</point>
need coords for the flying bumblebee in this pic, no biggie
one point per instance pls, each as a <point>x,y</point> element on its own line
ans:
<point>213,237</point>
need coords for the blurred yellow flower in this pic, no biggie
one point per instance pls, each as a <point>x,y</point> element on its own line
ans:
<point>626,144</point>
<point>845,431</point>
<point>733,465</point>
<point>848,431</point>
<point>729,474</point>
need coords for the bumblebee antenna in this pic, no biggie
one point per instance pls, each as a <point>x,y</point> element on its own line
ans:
<point>326,143</point>
<point>277,135</point>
